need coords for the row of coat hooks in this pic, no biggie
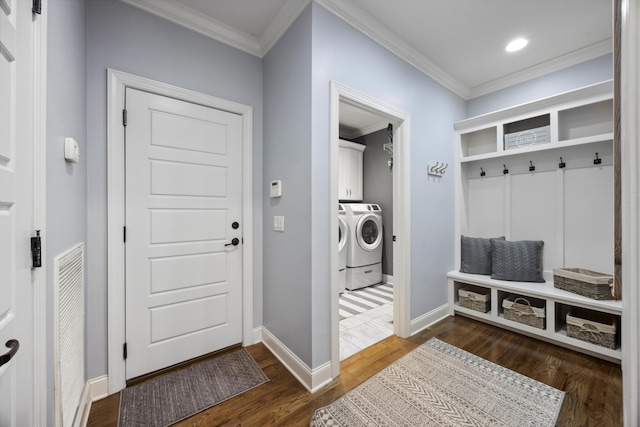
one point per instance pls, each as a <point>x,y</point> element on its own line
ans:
<point>532,168</point>
<point>437,169</point>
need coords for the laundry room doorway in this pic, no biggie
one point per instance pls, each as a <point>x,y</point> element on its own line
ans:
<point>369,188</point>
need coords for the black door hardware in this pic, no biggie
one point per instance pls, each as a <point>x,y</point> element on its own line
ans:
<point>235,241</point>
<point>235,225</point>
<point>36,251</point>
<point>13,346</point>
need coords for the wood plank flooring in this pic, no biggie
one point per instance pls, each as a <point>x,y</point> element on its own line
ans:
<point>593,387</point>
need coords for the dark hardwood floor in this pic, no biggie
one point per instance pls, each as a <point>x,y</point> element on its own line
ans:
<point>593,387</point>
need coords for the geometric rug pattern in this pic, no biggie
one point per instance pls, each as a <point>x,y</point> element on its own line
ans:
<point>169,398</point>
<point>438,384</point>
<point>364,299</point>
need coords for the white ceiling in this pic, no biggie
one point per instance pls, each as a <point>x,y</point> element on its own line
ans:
<point>459,43</point>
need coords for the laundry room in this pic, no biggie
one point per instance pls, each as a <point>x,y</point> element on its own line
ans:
<point>365,188</point>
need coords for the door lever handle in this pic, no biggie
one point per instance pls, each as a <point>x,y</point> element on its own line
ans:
<point>235,241</point>
<point>13,346</point>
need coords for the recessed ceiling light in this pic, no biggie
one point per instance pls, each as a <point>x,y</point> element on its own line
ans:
<point>516,44</point>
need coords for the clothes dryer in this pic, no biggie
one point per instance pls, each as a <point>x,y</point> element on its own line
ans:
<point>364,247</point>
<point>343,237</point>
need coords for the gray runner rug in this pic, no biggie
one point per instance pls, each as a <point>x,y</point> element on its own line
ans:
<point>172,397</point>
<point>438,384</point>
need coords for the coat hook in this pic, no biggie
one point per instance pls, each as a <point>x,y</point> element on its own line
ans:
<point>434,168</point>
<point>446,165</point>
<point>562,164</point>
<point>482,172</point>
<point>531,168</point>
<point>505,170</point>
<point>597,160</point>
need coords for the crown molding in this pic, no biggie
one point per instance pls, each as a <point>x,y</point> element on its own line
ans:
<point>287,15</point>
<point>374,29</point>
<point>576,57</point>
<point>193,20</point>
<point>363,22</point>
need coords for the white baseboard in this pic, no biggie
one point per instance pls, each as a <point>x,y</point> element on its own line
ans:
<point>388,279</point>
<point>99,387</point>
<point>311,379</point>
<point>428,319</point>
<point>94,389</point>
<point>84,408</point>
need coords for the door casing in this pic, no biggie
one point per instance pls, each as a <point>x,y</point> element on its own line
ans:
<point>117,81</point>
<point>401,209</point>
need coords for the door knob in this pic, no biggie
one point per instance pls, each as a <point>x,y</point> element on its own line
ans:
<point>13,346</point>
<point>235,225</point>
<point>235,241</point>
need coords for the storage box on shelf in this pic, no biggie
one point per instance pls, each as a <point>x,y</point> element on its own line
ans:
<point>591,326</point>
<point>525,310</point>
<point>584,282</point>
<point>475,298</point>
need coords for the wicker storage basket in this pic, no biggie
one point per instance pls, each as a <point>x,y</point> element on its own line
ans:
<point>583,282</point>
<point>529,311</point>
<point>475,298</point>
<point>592,326</point>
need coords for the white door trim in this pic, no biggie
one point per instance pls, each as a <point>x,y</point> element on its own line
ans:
<point>40,319</point>
<point>117,81</point>
<point>630,154</point>
<point>401,211</point>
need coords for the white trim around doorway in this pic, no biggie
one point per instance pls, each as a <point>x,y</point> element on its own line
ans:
<point>401,121</point>
<point>117,82</point>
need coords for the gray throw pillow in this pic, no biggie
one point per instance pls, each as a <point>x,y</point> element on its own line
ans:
<point>519,261</point>
<point>475,255</point>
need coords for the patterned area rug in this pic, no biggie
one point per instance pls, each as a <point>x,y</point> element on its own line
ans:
<point>438,384</point>
<point>169,398</point>
<point>364,299</point>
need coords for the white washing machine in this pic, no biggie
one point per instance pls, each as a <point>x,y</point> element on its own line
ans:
<point>364,246</point>
<point>343,237</point>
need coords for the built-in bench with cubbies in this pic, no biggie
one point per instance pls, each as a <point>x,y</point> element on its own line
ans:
<point>557,304</point>
<point>540,171</point>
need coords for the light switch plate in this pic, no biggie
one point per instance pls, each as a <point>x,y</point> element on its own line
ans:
<point>278,223</point>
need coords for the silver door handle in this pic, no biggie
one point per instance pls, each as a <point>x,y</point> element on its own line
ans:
<point>13,346</point>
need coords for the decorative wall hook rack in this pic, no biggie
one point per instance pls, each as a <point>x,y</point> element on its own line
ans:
<point>505,170</point>
<point>482,172</point>
<point>531,167</point>
<point>437,169</point>
<point>597,160</point>
<point>562,164</point>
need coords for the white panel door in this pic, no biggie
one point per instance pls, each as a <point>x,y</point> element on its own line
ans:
<point>16,213</point>
<point>183,196</point>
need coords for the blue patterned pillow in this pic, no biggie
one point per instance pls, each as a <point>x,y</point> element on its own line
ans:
<point>475,255</point>
<point>519,261</point>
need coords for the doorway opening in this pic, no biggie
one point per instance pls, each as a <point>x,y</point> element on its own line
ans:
<point>370,176</point>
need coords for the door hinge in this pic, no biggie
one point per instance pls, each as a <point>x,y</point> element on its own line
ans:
<point>124,234</point>
<point>36,251</point>
<point>124,350</point>
<point>36,7</point>
<point>124,117</point>
<point>394,238</point>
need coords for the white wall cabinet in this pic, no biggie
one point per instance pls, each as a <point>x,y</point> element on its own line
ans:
<point>540,171</point>
<point>350,187</point>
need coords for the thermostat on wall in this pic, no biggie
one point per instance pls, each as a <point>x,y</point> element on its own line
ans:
<point>71,150</point>
<point>276,189</point>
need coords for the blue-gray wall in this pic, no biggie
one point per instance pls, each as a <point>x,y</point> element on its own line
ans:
<point>130,40</point>
<point>587,73</point>
<point>287,157</point>
<point>378,188</point>
<point>66,212</point>
<point>343,54</point>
